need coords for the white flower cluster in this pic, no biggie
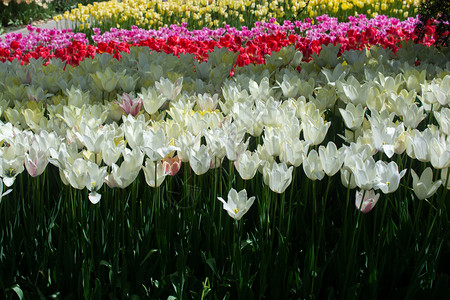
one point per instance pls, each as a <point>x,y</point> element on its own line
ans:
<point>329,120</point>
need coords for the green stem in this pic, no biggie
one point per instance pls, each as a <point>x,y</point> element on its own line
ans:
<point>237,257</point>
<point>230,174</point>
<point>313,220</point>
<point>352,251</point>
<point>380,235</point>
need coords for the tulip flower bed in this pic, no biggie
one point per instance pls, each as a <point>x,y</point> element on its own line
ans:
<point>252,45</point>
<point>286,162</point>
<point>198,14</point>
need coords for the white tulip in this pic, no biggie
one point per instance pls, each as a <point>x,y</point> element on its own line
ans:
<point>261,91</point>
<point>353,115</point>
<point>233,93</point>
<point>168,89</point>
<point>232,139</point>
<point>347,178</point>
<point>215,144</point>
<point>36,160</point>
<point>128,171</point>
<point>331,158</point>
<point>353,91</point>
<point>95,177</point>
<point>436,92</point>
<point>156,146</point>
<point>151,99</point>
<point>389,176</point>
<point>315,129</point>
<point>76,174</point>
<point>445,178</point>
<point>237,203</point>
<point>199,159</point>
<point>337,74</point>
<point>248,116</point>
<point>312,166</point>
<point>91,137</point>
<point>290,86</point>
<point>76,97</point>
<point>111,150</point>
<point>439,148</point>
<point>424,187</point>
<point>247,164</point>
<point>11,163</point>
<point>272,140</point>
<point>153,169</point>
<point>384,137</point>
<point>277,176</point>
<point>207,102</point>
<point>419,145</point>
<point>413,115</point>
<point>365,173</point>
<point>294,152</point>
<point>133,129</point>
<point>185,142</point>
<point>443,118</point>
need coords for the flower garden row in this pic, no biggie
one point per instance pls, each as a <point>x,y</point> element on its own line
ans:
<point>214,14</point>
<point>106,120</point>
<point>252,45</point>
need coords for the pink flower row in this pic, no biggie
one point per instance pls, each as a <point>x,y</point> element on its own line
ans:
<point>323,27</point>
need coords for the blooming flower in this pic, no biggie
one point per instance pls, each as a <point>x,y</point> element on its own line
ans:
<point>443,118</point>
<point>315,129</point>
<point>277,176</point>
<point>368,202</point>
<point>152,100</point>
<point>294,152</point>
<point>389,176</point>
<point>107,80</point>
<point>353,115</point>
<point>171,165</point>
<point>154,172</point>
<point>36,160</point>
<point>365,173</point>
<point>95,176</point>
<point>247,164</point>
<point>312,166</point>
<point>129,169</point>
<point>168,89</point>
<point>76,174</point>
<point>424,187</point>
<point>199,159</point>
<point>237,204</point>
<point>130,106</point>
<point>331,158</point>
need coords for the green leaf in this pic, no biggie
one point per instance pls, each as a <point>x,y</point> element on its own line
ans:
<point>148,255</point>
<point>16,288</point>
<point>41,295</point>
<point>105,263</point>
<point>211,262</point>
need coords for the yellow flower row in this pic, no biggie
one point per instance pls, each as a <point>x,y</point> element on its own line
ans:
<point>200,13</point>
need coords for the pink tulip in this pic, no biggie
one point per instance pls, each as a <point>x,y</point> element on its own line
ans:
<point>130,106</point>
<point>370,199</point>
<point>171,165</point>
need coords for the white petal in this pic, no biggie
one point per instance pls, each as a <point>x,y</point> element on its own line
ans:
<point>9,181</point>
<point>94,197</point>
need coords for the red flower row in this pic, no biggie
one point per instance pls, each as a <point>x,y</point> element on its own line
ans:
<point>253,51</point>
